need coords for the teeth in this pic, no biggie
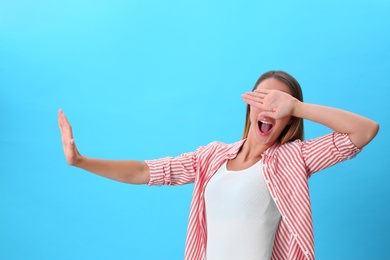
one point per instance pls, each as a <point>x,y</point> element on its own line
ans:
<point>264,122</point>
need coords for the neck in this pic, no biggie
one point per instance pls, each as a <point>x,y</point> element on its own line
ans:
<point>252,150</point>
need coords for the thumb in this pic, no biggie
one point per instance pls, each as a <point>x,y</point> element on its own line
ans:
<point>270,114</point>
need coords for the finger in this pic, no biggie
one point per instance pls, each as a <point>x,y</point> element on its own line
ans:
<point>251,101</point>
<point>270,114</point>
<point>258,105</point>
<point>256,94</point>
<point>69,145</point>
<point>253,96</point>
<point>256,102</point>
<point>65,127</point>
<point>262,91</point>
<point>61,119</point>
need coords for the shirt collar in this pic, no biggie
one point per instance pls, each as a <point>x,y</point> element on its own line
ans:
<point>234,148</point>
<point>271,150</point>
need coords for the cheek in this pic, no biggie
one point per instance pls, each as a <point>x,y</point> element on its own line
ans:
<point>253,115</point>
<point>284,123</point>
<point>254,111</point>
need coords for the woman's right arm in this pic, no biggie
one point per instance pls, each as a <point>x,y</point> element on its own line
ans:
<point>128,171</point>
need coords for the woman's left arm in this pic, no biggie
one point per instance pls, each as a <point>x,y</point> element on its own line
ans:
<point>278,104</point>
<point>360,129</point>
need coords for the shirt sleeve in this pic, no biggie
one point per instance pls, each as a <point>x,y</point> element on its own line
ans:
<point>326,151</point>
<point>174,171</point>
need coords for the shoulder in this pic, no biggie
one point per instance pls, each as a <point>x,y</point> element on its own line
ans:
<point>297,147</point>
<point>221,147</point>
<point>215,151</point>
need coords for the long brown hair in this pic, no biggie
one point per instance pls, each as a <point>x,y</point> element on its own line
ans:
<point>294,130</point>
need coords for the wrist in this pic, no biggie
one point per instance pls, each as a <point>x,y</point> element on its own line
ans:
<point>78,160</point>
<point>297,108</point>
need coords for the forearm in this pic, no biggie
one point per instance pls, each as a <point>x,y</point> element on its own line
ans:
<point>128,171</point>
<point>361,130</point>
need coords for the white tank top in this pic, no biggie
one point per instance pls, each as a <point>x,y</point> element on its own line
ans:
<point>242,217</point>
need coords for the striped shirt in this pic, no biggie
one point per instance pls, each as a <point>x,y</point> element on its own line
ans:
<point>286,169</point>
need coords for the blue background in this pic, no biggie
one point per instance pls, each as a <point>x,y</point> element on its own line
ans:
<point>149,79</point>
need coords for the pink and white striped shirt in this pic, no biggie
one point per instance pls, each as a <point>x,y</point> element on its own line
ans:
<point>286,169</point>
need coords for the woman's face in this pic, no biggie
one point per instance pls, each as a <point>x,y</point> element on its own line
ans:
<point>266,130</point>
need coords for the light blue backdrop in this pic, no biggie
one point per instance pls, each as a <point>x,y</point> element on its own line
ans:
<point>148,79</point>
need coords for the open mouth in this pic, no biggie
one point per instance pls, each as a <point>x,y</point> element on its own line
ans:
<point>264,126</point>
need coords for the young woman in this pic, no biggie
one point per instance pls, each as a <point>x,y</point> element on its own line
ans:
<point>251,198</point>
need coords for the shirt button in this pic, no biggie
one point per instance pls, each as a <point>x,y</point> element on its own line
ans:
<point>306,252</point>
